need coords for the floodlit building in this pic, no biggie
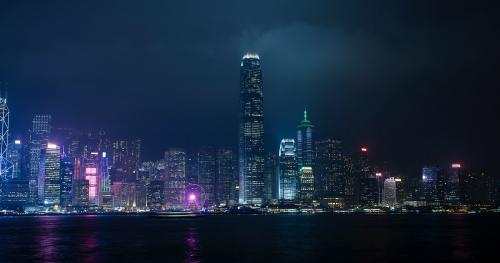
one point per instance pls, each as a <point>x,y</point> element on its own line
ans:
<point>175,178</point>
<point>287,171</point>
<point>226,178</point>
<point>49,182</point>
<point>39,138</point>
<point>389,193</point>
<point>306,184</point>
<point>251,131</point>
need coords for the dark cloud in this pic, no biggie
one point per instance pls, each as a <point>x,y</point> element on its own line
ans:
<point>416,81</point>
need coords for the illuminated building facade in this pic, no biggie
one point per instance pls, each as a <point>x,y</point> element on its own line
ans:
<point>207,174</point>
<point>126,156</point>
<point>80,193</point>
<point>330,173</point>
<point>192,167</point>
<point>155,198</point>
<point>271,177</point>
<point>430,189</point>
<point>251,131</point>
<point>306,184</point>
<point>39,138</point>
<point>477,189</point>
<point>287,171</point>
<point>451,185</point>
<point>390,192</point>
<point>305,151</point>
<point>49,183</point>
<point>226,178</point>
<point>16,160</point>
<point>67,173</point>
<point>5,164</point>
<point>368,187</point>
<point>105,195</point>
<point>90,174</point>
<point>175,178</point>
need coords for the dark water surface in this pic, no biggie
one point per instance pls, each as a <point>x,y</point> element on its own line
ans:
<point>325,238</point>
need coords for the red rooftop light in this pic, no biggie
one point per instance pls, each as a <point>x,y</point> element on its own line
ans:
<point>456,165</point>
<point>364,149</point>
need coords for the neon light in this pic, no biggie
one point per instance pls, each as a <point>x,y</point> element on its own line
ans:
<point>456,165</point>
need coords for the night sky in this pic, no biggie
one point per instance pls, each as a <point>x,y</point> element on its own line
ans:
<point>416,82</point>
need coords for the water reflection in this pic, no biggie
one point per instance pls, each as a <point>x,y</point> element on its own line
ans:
<point>88,246</point>
<point>46,238</point>
<point>192,245</point>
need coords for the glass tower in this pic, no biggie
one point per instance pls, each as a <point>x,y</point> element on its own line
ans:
<point>39,138</point>
<point>251,131</point>
<point>305,142</point>
<point>175,183</point>
<point>67,169</point>
<point>226,177</point>
<point>287,171</point>
<point>207,174</point>
<point>49,180</point>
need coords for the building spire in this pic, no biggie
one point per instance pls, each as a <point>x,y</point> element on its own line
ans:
<point>305,113</point>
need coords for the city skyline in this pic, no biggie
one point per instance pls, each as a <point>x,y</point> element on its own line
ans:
<point>395,85</point>
<point>249,131</point>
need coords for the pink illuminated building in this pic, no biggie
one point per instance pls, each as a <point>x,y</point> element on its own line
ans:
<point>90,174</point>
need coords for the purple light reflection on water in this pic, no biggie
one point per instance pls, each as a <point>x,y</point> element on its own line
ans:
<point>88,246</point>
<point>53,241</point>
<point>47,238</point>
<point>192,246</point>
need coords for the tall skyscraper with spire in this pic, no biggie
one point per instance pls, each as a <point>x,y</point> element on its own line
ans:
<point>305,152</point>
<point>251,131</point>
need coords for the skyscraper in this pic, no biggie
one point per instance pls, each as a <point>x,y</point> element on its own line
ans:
<point>175,178</point>
<point>451,187</point>
<point>207,174</point>
<point>16,158</point>
<point>287,171</point>
<point>390,194</point>
<point>105,195</point>
<point>430,176</point>
<point>306,184</point>
<point>49,180</point>
<point>192,167</point>
<point>125,160</point>
<point>67,170</point>
<point>305,152</point>
<point>367,185</point>
<point>39,138</point>
<point>226,179</point>
<point>251,131</point>
<point>5,165</point>
<point>271,176</point>
<point>330,174</point>
<point>91,174</point>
